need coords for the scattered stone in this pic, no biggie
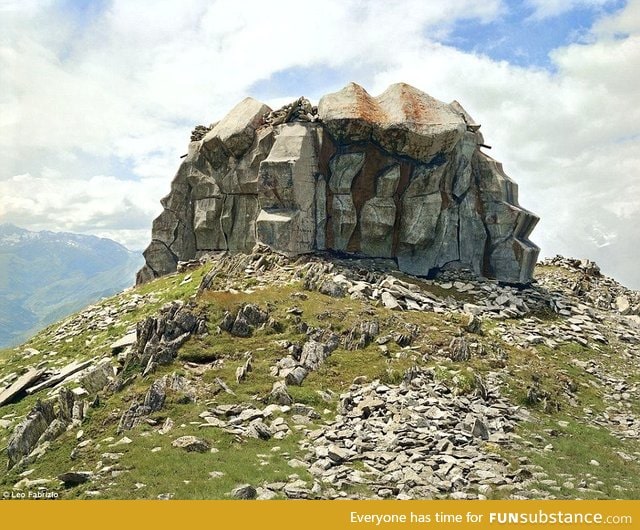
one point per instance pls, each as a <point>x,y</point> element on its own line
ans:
<point>191,444</point>
<point>123,441</point>
<point>623,305</point>
<point>61,376</point>
<point>244,492</point>
<point>155,398</point>
<point>279,394</point>
<point>165,496</point>
<point>473,324</point>
<point>459,350</point>
<point>244,369</point>
<point>158,338</point>
<point>75,478</point>
<point>166,426</point>
<point>25,436</point>
<point>479,429</point>
<point>128,340</point>
<point>296,376</point>
<point>424,445</point>
<point>244,321</point>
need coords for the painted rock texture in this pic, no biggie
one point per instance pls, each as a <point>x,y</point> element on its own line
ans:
<point>398,176</point>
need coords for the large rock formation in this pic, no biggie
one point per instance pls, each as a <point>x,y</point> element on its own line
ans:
<point>400,175</point>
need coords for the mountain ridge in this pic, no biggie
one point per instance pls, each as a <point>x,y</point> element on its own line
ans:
<point>45,275</point>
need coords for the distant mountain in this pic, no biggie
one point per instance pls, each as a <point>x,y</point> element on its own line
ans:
<point>45,276</point>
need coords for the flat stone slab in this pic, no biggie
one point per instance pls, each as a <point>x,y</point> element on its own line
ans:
<point>192,444</point>
<point>20,384</point>
<point>236,129</point>
<point>65,372</point>
<point>128,340</point>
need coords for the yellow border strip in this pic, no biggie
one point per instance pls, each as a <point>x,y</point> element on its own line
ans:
<point>321,515</point>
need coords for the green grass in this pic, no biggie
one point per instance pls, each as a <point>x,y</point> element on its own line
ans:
<point>171,470</point>
<point>186,475</point>
<point>574,447</point>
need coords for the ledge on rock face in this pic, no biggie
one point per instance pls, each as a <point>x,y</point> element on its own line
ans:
<point>400,175</point>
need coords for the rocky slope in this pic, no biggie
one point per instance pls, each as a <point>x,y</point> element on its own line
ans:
<point>319,376</point>
<point>45,276</point>
<point>399,175</point>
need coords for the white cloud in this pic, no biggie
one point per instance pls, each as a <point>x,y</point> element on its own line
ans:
<point>118,94</point>
<point>552,8</point>
<point>23,6</point>
<point>623,22</point>
<point>101,205</point>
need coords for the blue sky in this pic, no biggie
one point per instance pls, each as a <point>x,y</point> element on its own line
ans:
<point>524,39</point>
<point>518,36</point>
<point>97,98</point>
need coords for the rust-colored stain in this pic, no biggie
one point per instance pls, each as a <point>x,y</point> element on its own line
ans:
<point>414,108</point>
<point>367,108</point>
<point>363,188</point>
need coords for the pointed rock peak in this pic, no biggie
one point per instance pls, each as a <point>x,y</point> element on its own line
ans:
<point>355,87</point>
<point>405,103</point>
<point>404,90</point>
<point>352,102</point>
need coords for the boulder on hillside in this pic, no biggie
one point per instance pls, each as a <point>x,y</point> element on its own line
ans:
<point>400,175</point>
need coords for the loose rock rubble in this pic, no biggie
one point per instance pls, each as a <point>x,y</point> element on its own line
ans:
<point>154,399</point>
<point>247,421</point>
<point>199,132</point>
<point>49,419</point>
<point>434,435</point>
<point>245,320</point>
<point>74,478</point>
<point>294,368</point>
<point>415,440</point>
<point>589,284</point>
<point>98,318</point>
<point>298,110</point>
<point>192,444</point>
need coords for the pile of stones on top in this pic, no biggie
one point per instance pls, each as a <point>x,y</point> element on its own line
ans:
<point>298,110</point>
<point>199,132</point>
